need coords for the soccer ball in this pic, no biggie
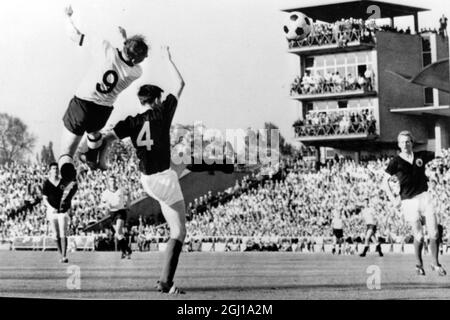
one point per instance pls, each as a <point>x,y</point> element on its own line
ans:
<point>297,26</point>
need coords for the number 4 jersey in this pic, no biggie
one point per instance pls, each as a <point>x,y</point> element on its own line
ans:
<point>109,75</point>
<point>150,134</point>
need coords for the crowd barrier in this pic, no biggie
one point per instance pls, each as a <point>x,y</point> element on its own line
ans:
<point>241,244</point>
<point>218,244</point>
<point>43,243</point>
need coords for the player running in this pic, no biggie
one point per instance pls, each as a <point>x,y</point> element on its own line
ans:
<point>115,200</point>
<point>416,202</point>
<point>150,134</point>
<point>113,71</point>
<point>52,191</point>
<point>368,214</point>
<point>338,231</point>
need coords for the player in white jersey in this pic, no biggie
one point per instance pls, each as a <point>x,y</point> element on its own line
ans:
<point>368,214</point>
<point>116,201</point>
<point>338,231</point>
<point>113,71</point>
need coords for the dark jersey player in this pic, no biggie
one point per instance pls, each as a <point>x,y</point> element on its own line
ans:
<point>52,192</point>
<point>150,134</point>
<point>416,202</point>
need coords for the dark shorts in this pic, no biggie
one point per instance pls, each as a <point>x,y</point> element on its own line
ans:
<point>120,214</point>
<point>371,227</point>
<point>338,233</point>
<point>85,116</point>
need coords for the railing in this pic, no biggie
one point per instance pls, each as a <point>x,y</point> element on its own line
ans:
<point>366,128</point>
<point>42,243</point>
<point>329,37</point>
<point>324,87</point>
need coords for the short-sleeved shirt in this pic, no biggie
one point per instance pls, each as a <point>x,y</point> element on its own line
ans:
<point>108,76</point>
<point>53,193</point>
<point>150,135</point>
<point>337,223</point>
<point>368,215</point>
<point>115,201</point>
<point>411,177</point>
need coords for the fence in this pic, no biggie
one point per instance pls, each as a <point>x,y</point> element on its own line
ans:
<point>219,244</point>
<point>42,243</point>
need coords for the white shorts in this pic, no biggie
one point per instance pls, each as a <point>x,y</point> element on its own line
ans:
<point>59,223</point>
<point>163,186</point>
<point>418,207</point>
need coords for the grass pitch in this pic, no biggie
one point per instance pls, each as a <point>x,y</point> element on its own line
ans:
<point>252,275</point>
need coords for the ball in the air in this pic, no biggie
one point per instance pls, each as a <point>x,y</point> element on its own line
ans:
<point>297,26</point>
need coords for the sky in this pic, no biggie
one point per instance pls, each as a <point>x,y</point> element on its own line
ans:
<point>232,55</point>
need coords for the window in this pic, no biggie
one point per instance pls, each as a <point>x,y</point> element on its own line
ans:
<point>426,51</point>
<point>342,104</point>
<point>361,70</point>
<point>309,62</point>
<point>429,99</point>
<point>426,59</point>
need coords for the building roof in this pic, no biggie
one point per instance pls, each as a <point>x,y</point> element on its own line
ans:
<point>333,10</point>
<point>442,111</point>
<point>435,75</point>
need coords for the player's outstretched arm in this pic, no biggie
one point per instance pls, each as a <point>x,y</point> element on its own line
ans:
<point>387,188</point>
<point>73,32</point>
<point>178,88</point>
<point>123,33</point>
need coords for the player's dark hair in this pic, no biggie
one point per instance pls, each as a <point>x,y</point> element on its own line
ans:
<point>135,46</point>
<point>53,164</point>
<point>150,93</point>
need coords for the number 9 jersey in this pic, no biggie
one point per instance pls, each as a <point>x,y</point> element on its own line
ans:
<point>108,76</point>
<point>150,134</point>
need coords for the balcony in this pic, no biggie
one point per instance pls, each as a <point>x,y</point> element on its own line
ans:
<point>319,88</point>
<point>330,41</point>
<point>337,125</point>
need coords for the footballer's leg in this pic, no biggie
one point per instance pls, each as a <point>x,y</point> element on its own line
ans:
<point>69,144</point>
<point>95,142</point>
<point>411,212</point>
<point>418,245</point>
<point>63,223</point>
<point>378,247</point>
<point>369,234</point>
<point>53,219</point>
<point>433,232</point>
<point>175,216</point>
<point>121,239</point>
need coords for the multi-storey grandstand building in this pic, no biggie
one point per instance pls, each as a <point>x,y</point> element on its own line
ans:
<point>350,100</point>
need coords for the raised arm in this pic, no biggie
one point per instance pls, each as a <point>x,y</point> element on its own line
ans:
<point>179,86</point>
<point>73,32</point>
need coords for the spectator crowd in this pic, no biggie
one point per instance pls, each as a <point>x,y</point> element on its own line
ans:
<point>344,31</point>
<point>294,201</point>
<point>339,122</point>
<point>332,83</point>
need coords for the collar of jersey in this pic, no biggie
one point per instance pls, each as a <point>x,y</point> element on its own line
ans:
<point>128,63</point>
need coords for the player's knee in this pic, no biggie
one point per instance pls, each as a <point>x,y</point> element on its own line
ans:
<point>178,232</point>
<point>433,233</point>
<point>68,172</point>
<point>419,237</point>
<point>95,140</point>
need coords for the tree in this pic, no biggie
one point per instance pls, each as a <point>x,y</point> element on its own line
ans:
<point>47,155</point>
<point>286,149</point>
<point>15,140</point>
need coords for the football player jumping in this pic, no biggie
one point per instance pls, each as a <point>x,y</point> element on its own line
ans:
<point>113,71</point>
